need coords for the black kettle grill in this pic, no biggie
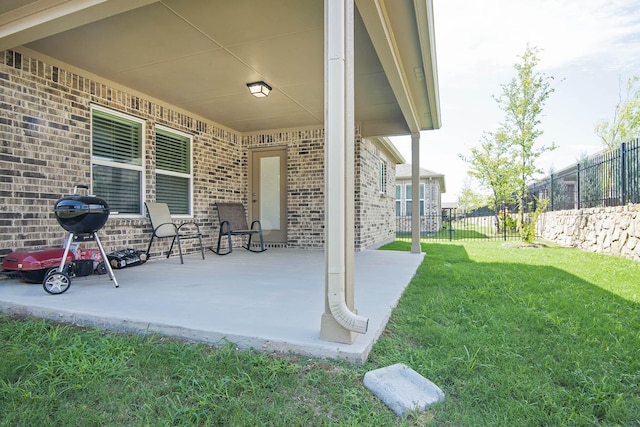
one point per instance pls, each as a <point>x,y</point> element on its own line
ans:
<point>82,217</point>
<point>81,214</point>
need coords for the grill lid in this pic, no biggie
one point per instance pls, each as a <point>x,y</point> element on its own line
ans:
<point>81,214</point>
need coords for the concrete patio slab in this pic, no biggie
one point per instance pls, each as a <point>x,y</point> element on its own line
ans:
<point>270,301</point>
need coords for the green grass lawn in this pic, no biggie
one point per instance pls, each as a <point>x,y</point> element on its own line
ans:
<point>514,337</point>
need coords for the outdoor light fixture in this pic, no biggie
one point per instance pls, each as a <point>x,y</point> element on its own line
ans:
<point>259,89</point>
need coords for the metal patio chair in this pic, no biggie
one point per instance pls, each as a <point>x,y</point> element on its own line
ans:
<point>164,227</point>
<point>233,222</point>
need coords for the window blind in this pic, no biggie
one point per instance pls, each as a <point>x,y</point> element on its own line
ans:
<point>116,140</point>
<point>174,191</point>
<point>117,147</point>
<point>173,171</point>
<point>172,152</point>
<point>121,188</point>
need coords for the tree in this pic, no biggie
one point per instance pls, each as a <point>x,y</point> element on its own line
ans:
<point>470,199</point>
<point>505,161</point>
<point>625,125</point>
<point>492,165</point>
<point>522,100</point>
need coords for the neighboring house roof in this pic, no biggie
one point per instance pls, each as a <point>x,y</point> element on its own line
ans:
<point>403,171</point>
<point>199,56</point>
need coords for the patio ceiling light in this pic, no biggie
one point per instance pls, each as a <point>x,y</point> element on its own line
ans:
<point>259,89</point>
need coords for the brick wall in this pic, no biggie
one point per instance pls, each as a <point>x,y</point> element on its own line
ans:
<point>375,212</point>
<point>305,183</point>
<point>45,150</point>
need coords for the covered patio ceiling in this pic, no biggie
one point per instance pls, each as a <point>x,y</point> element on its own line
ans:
<point>198,56</point>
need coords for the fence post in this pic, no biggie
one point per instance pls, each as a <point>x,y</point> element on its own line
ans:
<point>504,223</point>
<point>450,230</point>
<point>578,201</point>
<point>551,191</point>
<point>623,172</point>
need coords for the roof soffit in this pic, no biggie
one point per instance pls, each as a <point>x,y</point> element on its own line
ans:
<point>402,35</point>
<point>24,21</point>
<point>205,52</point>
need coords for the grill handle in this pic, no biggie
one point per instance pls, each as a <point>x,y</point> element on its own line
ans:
<point>75,188</point>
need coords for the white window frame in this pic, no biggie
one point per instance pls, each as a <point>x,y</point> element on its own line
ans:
<point>140,168</point>
<point>188,176</point>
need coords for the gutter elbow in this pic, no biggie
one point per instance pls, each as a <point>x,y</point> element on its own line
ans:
<point>344,316</point>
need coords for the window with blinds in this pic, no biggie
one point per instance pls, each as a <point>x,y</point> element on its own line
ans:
<point>116,160</point>
<point>173,170</point>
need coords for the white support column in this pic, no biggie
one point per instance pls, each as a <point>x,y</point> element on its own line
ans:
<point>339,322</point>
<point>350,153</point>
<point>415,194</point>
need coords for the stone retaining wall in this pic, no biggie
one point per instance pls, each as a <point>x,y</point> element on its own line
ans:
<point>610,230</point>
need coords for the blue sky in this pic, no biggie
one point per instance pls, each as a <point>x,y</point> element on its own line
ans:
<point>589,47</point>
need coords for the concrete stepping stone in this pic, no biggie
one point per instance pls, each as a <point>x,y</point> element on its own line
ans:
<point>402,389</point>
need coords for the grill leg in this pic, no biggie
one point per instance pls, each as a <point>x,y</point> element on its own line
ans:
<point>63,261</point>
<point>105,259</point>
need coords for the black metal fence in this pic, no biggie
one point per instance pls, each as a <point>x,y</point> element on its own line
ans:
<point>609,178</point>
<point>454,224</point>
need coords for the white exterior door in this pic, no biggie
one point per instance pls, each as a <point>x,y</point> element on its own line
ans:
<point>268,192</point>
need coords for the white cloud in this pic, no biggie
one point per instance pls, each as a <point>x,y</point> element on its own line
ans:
<point>492,34</point>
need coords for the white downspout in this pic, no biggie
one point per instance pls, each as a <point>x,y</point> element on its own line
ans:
<point>415,194</point>
<point>338,20</point>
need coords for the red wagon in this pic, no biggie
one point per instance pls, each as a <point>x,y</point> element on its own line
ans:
<point>33,265</point>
